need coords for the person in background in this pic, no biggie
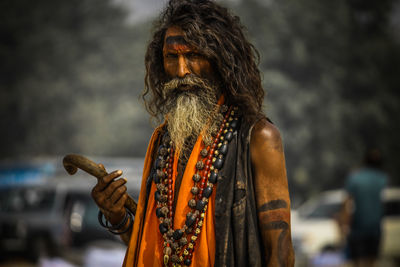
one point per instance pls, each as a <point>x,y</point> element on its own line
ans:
<point>364,207</point>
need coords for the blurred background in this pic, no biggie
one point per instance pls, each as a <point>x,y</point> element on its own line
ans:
<point>71,77</point>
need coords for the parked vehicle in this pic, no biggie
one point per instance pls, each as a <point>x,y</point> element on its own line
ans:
<point>315,229</point>
<point>45,216</point>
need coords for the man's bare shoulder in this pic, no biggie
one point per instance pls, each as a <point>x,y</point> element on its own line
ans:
<point>265,135</point>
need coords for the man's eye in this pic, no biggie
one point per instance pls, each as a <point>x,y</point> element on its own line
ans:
<point>172,56</point>
<point>193,55</point>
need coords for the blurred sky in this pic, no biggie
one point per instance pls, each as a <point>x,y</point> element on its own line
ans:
<point>141,10</point>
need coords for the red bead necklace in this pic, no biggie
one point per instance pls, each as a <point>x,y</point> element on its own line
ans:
<point>179,244</point>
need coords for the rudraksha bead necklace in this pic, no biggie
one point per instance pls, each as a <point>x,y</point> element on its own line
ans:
<point>179,244</point>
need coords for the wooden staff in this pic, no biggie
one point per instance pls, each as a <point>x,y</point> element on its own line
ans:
<point>71,164</point>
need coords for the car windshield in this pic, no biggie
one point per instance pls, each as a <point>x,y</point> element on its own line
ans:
<point>323,211</point>
<point>26,199</point>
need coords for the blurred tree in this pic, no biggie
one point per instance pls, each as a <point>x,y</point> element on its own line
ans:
<point>71,72</point>
<point>330,74</point>
<point>371,82</point>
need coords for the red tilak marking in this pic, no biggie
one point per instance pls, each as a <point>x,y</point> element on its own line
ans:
<point>178,47</point>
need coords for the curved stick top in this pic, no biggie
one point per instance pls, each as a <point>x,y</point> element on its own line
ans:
<point>72,162</point>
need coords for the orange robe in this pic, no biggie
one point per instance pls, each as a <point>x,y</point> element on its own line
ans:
<point>146,243</point>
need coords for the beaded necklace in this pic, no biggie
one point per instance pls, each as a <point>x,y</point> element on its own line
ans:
<point>179,244</point>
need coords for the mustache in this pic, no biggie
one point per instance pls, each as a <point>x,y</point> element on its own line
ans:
<point>190,80</point>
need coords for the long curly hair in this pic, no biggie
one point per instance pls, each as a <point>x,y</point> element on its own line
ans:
<point>219,36</point>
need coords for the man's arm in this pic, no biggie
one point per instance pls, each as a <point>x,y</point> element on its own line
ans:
<point>272,195</point>
<point>343,217</point>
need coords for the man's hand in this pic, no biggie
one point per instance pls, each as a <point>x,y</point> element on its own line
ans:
<point>109,195</point>
<point>272,196</point>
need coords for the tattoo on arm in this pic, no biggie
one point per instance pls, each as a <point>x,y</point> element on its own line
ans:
<point>284,226</point>
<point>273,205</point>
<point>274,219</point>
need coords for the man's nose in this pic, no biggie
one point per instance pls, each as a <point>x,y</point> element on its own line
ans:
<point>183,68</point>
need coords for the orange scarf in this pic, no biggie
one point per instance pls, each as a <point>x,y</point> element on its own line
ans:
<point>146,243</point>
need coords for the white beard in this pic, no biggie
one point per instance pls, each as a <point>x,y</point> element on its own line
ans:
<point>192,111</point>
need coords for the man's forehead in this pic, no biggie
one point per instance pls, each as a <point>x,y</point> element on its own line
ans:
<point>175,37</point>
<point>174,31</point>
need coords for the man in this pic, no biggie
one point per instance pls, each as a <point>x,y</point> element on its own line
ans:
<point>214,189</point>
<point>364,188</point>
